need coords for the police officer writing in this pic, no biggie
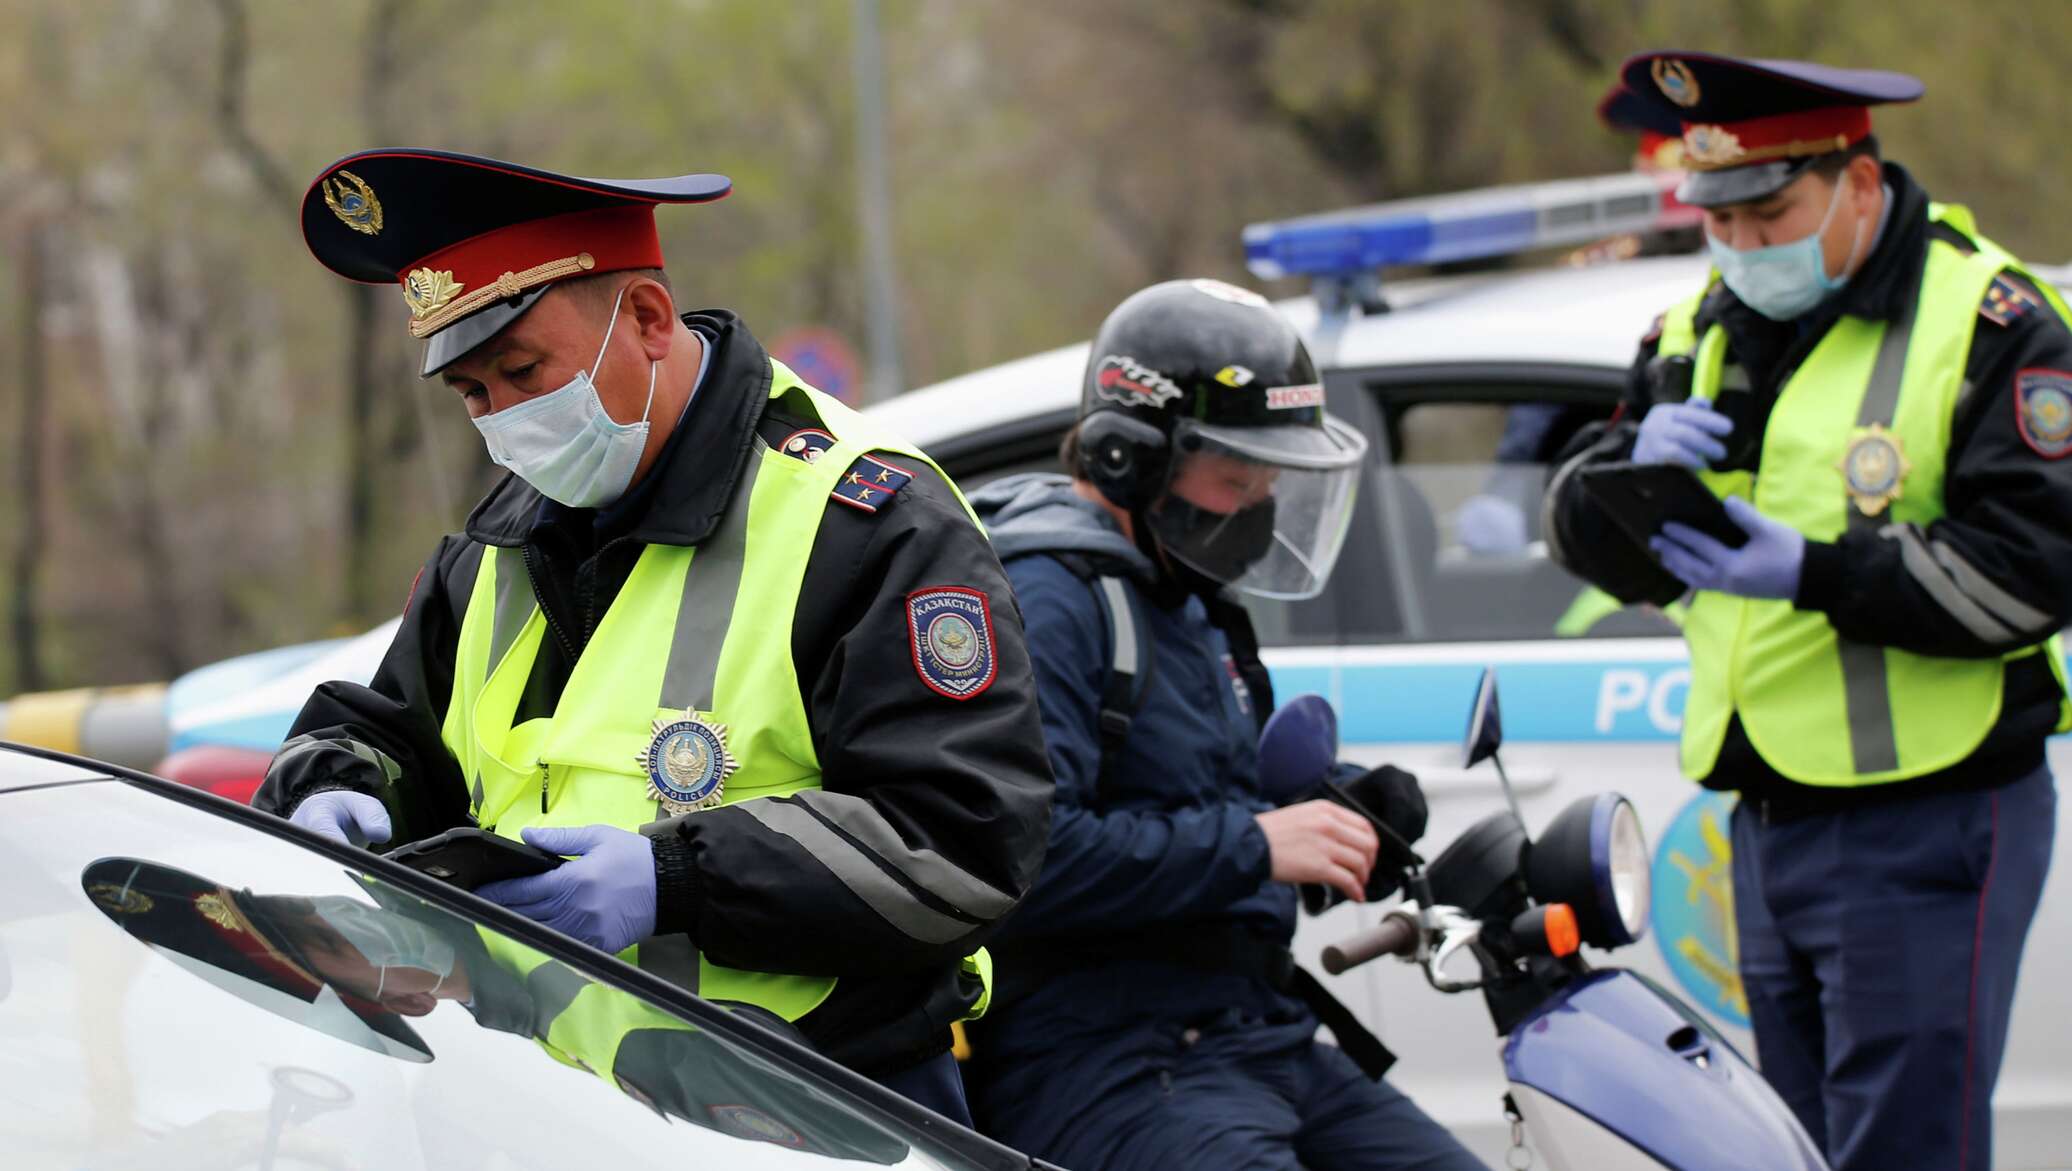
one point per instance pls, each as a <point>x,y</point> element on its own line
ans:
<point>1883,399</point>
<point>738,653</point>
<point>1150,1013</point>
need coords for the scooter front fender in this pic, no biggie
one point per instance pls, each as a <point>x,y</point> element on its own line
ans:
<point>1632,1059</point>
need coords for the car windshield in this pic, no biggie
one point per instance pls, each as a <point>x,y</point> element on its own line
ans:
<point>179,988</point>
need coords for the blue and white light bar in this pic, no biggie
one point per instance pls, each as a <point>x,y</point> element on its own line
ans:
<point>1494,221</point>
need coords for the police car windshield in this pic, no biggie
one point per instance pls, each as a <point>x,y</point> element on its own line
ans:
<point>240,986</point>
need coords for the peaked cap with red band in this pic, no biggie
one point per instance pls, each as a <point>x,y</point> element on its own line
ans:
<point>232,932</point>
<point>473,242</point>
<point>1750,127</point>
<point>1661,133</point>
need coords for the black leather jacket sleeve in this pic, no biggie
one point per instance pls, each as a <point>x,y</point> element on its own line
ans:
<point>1581,537</point>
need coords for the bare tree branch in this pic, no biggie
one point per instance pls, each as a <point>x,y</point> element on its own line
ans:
<point>233,61</point>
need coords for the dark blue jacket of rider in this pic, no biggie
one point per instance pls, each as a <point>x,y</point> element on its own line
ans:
<point>1169,836</point>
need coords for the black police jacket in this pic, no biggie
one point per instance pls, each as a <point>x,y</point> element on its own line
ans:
<point>944,783</point>
<point>2008,516</point>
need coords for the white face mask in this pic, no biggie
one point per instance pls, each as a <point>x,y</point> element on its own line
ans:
<point>1784,281</point>
<point>564,444</point>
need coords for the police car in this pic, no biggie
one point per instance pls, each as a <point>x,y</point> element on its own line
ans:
<point>188,983</point>
<point>1443,574</point>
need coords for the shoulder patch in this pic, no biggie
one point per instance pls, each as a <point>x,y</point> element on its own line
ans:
<point>950,629</point>
<point>2007,301</point>
<point>2043,410</point>
<point>870,483</point>
<point>806,443</point>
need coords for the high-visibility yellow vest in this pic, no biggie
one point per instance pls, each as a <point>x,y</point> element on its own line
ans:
<point>705,628</point>
<point>1821,709</point>
<point>1593,605</point>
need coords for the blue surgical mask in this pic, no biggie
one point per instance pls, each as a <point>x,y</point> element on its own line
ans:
<point>1784,281</point>
<point>565,444</point>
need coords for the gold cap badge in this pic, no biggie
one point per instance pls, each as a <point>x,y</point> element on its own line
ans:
<point>353,202</point>
<point>427,292</point>
<point>1712,146</point>
<point>1675,80</point>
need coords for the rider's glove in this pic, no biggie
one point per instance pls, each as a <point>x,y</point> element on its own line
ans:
<point>1392,795</point>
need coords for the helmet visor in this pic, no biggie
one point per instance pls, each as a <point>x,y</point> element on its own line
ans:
<point>1284,497</point>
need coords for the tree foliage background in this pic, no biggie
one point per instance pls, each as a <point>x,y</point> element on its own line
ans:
<point>212,445</point>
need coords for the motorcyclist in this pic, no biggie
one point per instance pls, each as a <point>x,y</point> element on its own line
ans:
<point>1149,1013</point>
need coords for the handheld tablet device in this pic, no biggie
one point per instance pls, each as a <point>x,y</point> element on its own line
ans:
<point>469,857</point>
<point>1641,497</point>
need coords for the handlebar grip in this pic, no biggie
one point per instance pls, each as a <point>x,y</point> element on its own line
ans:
<point>1395,936</point>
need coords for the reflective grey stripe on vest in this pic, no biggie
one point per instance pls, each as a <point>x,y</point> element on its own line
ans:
<point>703,615</point>
<point>672,957</point>
<point>1865,692</point>
<point>551,988</point>
<point>707,608</point>
<point>514,608</point>
<point>855,870</point>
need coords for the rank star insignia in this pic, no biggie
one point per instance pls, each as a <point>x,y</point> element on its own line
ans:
<point>687,763</point>
<point>1874,468</point>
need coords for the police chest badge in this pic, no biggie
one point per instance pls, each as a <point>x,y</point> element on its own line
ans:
<point>951,632</point>
<point>2043,411</point>
<point>687,763</point>
<point>1874,468</point>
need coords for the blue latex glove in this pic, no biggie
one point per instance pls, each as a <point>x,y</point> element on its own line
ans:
<point>604,896</point>
<point>353,818</point>
<point>1766,567</point>
<point>1490,526</point>
<point>1686,433</point>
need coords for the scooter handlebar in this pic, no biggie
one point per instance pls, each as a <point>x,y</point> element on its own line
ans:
<point>1397,935</point>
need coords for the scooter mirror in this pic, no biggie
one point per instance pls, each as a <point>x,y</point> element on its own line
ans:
<point>1485,723</point>
<point>1297,749</point>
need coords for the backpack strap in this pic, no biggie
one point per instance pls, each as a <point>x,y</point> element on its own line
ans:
<point>1129,664</point>
<point>1229,615</point>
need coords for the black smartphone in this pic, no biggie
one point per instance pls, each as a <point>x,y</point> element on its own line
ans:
<point>469,857</point>
<point>1641,497</point>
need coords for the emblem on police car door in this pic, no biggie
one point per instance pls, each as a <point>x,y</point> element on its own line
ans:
<point>687,763</point>
<point>951,630</point>
<point>1874,467</point>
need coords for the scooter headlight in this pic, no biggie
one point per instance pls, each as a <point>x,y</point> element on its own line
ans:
<point>1594,857</point>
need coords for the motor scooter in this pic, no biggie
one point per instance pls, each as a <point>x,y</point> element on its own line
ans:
<point>1607,1070</point>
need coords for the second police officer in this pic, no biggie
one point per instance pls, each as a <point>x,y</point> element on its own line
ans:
<point>1150,1014</point>
<point>1883,398</point>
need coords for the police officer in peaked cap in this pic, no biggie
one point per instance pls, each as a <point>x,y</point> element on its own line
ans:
<point>1882,398</point>
<point>741,655</point>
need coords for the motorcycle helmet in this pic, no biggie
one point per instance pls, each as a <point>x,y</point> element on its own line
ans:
<point>1202,416</point>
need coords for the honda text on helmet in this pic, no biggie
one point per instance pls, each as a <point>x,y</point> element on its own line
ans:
<point>1203,417</point>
